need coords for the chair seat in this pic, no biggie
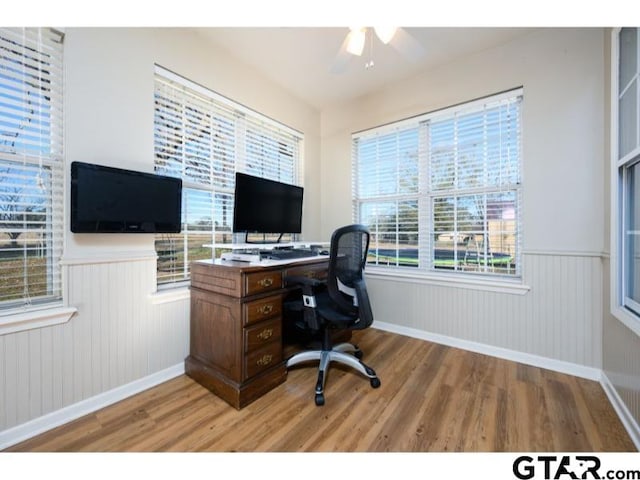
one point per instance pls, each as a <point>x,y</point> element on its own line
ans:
<point>327,310</point>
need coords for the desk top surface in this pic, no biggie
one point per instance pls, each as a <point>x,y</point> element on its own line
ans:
<point>265,262</point>
<point>264,246</point>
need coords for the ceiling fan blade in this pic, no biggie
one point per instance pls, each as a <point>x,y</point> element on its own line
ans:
<point>407,45</point>
<point>343,57</point>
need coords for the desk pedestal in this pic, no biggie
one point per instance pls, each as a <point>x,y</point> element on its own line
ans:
<point>236,348</point>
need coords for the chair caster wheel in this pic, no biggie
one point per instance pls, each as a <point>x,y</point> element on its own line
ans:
<point>358,354</point>
<point>375,382</point>
<point>319,399</point>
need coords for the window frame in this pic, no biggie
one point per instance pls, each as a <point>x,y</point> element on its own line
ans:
<point>427,272</point>
<point>48,164</point>
<point>622,307</point>
<point>250,128</point>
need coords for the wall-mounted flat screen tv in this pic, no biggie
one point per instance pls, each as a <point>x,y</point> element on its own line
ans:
<point>266,206</point>
<point>113,200</point>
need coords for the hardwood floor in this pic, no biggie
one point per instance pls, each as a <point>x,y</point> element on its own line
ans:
<point>433,398</point>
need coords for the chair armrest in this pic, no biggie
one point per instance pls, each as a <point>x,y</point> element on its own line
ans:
<point>309,288</point>
<point>365,314</point>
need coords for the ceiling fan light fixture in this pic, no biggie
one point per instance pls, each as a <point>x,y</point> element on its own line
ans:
<point>355,44</point>
<point>385,34</point>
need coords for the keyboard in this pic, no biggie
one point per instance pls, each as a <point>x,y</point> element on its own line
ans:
<point>289,253</point>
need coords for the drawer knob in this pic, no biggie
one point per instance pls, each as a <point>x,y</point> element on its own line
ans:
<point>265,334</point>
<point>265,309</point>
<point>265,282</point>
<point>264,360</point>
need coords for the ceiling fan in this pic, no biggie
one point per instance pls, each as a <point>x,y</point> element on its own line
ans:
<point>355,40</point>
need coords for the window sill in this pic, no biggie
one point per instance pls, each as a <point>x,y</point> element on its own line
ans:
<point>170,295</point>
<point>29,319</point>
<point>514,287</point>
<point>631,321</point>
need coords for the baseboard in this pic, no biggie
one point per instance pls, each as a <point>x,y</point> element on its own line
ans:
<point>51,420</point>
<point>515,356</point>
<point>621,409</point>
<point>629,423</point>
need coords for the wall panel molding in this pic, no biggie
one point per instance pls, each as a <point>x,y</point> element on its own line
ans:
<point>564,253</point>
<point>110,257</point>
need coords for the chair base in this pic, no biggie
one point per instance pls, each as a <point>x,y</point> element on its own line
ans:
<point>336,354</point>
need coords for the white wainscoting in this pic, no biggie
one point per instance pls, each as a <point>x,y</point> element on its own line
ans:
<point>559,317</point>
<point>621,364</point>
<point>72,412</point>
<point>123,335</point>
<point>118,336</point>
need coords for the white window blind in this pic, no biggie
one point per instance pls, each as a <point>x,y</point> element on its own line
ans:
<point>270,152</point>
<point>442,190</point>
<point>205,139</point>
<point>31,166</point>
<point>386,176</point>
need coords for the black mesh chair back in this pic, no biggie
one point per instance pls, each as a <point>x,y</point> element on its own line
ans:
<point>345,281</point>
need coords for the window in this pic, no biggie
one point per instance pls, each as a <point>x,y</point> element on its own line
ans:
<point>31,166</point>
<point>627,161</point>
<point>204,138</point>
<point>441,192</point>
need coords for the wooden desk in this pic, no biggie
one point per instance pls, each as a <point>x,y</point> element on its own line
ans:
<point>236,348</point>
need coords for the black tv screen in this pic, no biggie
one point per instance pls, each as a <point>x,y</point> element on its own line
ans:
<point>113,200</point>
<point>266,206</point>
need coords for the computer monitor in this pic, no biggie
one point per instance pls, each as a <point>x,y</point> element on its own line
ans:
<point>266,206</point>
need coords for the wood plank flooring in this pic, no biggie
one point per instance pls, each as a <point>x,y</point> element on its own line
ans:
<point>433,398</point>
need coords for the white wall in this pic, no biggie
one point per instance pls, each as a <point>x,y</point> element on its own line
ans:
<point>121,332</point>
<point>562,74</point>
<point>109,107</point>
<point>561,71</point>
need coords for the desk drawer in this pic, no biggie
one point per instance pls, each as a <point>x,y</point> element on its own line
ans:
<point>262,359</point>
<point>262,333</point>
<point>260,282</point>
<point>259,310</point>
<point>316,270</point>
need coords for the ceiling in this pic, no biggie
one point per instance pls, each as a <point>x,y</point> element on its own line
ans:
<point>300,59</point>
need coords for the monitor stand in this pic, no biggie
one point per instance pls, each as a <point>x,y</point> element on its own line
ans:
<point>264,238</point>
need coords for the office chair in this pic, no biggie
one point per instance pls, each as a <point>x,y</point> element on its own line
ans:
<point>340,302</point>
